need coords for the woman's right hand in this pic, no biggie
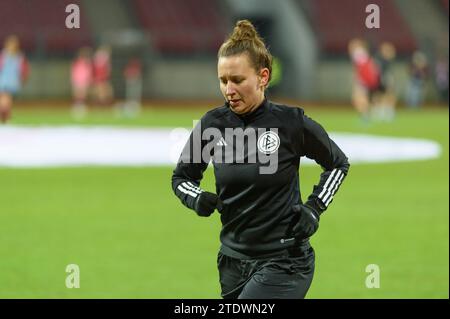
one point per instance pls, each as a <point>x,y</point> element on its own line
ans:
<point>206,203</point>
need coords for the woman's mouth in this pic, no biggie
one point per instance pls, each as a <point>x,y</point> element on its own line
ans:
<point>234,103</point>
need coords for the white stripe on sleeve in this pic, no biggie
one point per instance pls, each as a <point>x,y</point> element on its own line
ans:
<point>331,187</point>
<point>334,190</point>
<point>183,190</point>
<point>192,187</point>
<point>327,182</point>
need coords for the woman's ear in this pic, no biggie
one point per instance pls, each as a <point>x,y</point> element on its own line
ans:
<point>264,75</point>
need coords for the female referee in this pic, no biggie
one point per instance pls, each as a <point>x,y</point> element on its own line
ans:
<point>265,250</point>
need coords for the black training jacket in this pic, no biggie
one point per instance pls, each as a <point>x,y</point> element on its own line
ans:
<point>257,174</point>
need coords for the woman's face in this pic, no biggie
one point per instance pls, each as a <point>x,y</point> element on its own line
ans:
<point>12,45</point>
<point>241,85</point>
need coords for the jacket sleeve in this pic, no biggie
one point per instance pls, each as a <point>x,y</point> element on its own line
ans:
<point>188,173</point>
<point>317,145</point>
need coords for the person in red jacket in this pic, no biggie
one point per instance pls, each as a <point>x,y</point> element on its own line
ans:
<point>366,77</point>
<point>14,70</point>
<point>102,75</point>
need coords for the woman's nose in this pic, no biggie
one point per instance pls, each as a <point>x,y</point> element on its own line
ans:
<point>230,90</point>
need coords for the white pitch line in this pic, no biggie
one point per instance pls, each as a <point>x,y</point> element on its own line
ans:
<point>44,146</point>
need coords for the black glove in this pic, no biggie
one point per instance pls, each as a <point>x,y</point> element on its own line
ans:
<point>308,222</point>
<point>206,203</point>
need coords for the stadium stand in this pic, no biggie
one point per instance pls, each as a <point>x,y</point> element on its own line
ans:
<point>40,24</point>
<point>337,22</point>
<point>181,27</point>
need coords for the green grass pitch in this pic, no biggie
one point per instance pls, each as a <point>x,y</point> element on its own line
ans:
<point>132,238</point>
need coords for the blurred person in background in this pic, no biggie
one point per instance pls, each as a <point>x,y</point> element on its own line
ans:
<point>418,74</point>
<point>441,78</point>
<point>265,249</point>
<point>14,70</point>
<point>366,78</point>
<point>102,75</point>
<point>385,98</point>
<point>81,80</point>
<point>133,88</point>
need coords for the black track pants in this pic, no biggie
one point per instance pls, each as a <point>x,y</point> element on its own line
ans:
<point>284,277</point>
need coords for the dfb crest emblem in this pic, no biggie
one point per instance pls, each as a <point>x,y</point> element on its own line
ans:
<point>268,142</point>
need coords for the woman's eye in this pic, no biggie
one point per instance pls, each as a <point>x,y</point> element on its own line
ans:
<point>235,81</point>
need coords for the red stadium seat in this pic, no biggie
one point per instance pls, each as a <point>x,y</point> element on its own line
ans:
<point>337,22</point>
<point>42,23</point>
<point>182,27</point>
